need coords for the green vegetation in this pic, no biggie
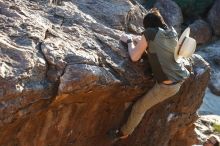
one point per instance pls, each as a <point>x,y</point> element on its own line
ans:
<point>216,128</point>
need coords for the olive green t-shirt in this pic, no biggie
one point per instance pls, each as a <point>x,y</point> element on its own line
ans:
<point>161,46</point>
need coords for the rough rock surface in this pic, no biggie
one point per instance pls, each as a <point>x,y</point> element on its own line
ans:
<point>66,80</point>
<point>171,13</point>
<point>204,127</point>
<point>201,31</point>
<point>211,53</point>
<point>214,18</point>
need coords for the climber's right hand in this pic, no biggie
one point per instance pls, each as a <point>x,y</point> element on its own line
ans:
<point>125,37</point>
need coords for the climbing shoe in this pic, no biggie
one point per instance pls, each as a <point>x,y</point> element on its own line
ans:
<point>116,134</point>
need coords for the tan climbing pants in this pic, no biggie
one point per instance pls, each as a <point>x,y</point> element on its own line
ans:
<point>157,94</point>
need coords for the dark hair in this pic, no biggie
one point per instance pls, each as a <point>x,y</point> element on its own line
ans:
<point>154,19</point>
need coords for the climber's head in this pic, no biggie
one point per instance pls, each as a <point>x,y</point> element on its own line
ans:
<point>154,19</point>
<point>213,140</point>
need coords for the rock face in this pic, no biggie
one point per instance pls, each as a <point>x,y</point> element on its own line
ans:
<point>171,13</point>
<point>65,79</point>
<point>201,31</point>
<point>213,17</point>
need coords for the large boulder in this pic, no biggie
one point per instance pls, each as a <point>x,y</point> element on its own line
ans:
<point>211,53</point>
<point>201,31</point>
<point>194,8</point>
<point>205,126</point>
<point>210,105</point>
<point>213,17</point>
<point>171,13</point>
<point>65,79</point>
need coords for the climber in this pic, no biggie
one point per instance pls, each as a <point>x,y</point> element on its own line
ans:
<point>213,140</point>
<point>159,41</point>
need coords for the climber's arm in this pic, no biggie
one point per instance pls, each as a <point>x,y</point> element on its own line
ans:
<point>136,52</point>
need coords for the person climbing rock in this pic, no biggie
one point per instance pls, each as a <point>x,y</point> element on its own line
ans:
<point>159,41</point>
<point>213,140</point>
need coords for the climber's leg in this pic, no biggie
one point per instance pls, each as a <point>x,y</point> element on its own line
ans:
<point>157,94</point>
